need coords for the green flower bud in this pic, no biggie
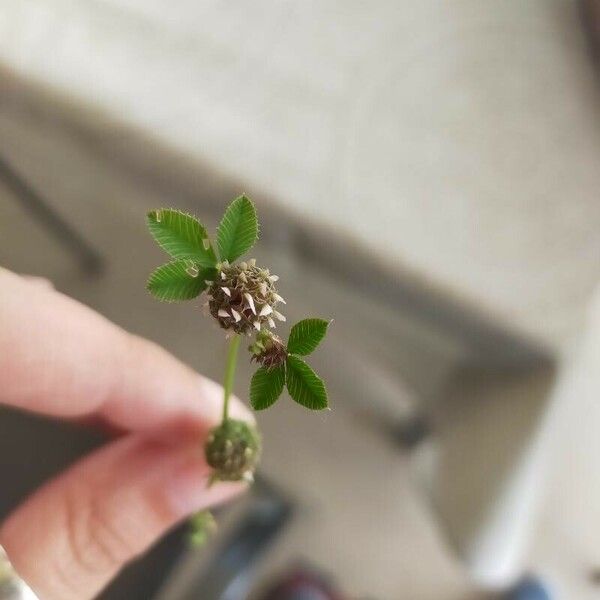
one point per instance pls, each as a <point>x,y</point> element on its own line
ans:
<point>268,350</point>
<point>233,450</point>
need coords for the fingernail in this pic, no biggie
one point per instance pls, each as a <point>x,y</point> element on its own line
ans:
<point>188,490</point>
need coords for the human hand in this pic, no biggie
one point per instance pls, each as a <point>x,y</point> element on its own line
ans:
<point>60,359</point>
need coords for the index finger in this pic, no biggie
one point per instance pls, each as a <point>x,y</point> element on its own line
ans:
<point>60,358</point>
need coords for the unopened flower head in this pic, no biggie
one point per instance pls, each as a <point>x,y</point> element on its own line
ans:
<point>268,350</point>
<point>243,297</point>
<point>233,450</point>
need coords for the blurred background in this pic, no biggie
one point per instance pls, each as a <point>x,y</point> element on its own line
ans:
<point>426,173</point>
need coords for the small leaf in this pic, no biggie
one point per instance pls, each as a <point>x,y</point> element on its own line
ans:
<point>266,387</point>
<point>179,280</point>
<point>182,236</point>
<point>304,385</point>
<point>306,335</point>
<point>238,230</point>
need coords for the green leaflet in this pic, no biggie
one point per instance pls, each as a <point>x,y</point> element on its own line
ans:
<point>179,280</point>
<point>238,230</point>
<point>304,385</point>
<point>306,335</point>
<point>266,387</point>
<point>182,236</point>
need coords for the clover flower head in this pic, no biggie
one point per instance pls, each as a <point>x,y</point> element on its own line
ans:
<point>268,350</point>
<point>243,297</point>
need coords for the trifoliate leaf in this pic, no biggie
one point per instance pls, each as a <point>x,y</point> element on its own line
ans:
<point>182,236</point>
<point>304,385</point>
<point>266,387</point>
<point>238,230</point>
<point>306,335</point>
<point>179,280</point>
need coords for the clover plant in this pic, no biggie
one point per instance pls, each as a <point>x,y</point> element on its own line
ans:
<point>242,297</point>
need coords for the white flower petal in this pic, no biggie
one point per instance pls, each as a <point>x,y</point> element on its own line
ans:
<point>271,323</point>
<point>265,310</point>
<point>223,276</point>
<point>250,301</point>
<point>279,298</point>
<point>227,291</point>
<point>256,325</point>
<point>278,316</point>
<point>236,315</point>
<point>273,278</point>
<point>223,313</point>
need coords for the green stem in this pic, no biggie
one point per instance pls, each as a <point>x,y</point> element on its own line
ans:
<point>230,373</point>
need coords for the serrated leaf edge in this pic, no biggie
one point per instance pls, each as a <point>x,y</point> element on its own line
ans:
<point>240,198</point>
<point>296,352</point>
<point>155,214</point>
<point>287,371</point>
<point>203,276</point>
<point>264,370</point>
